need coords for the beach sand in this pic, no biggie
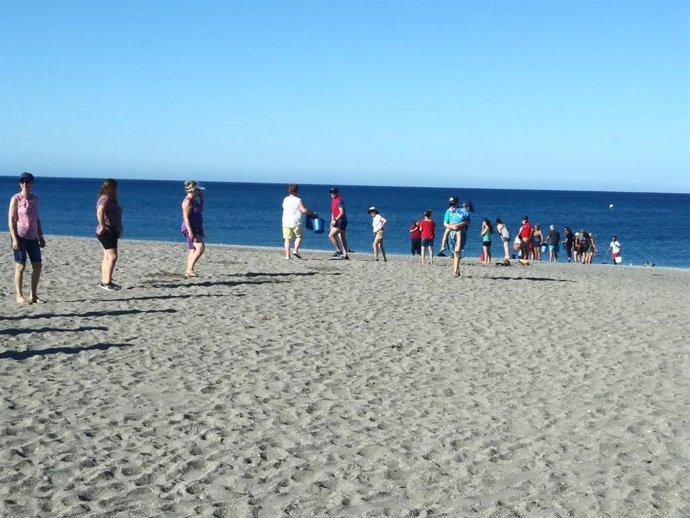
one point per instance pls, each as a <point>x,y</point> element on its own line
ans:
<point>272,388</point>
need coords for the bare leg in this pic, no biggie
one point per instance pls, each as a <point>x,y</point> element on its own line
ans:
<point>378,245</point>
<point>333,235</point>
<point>108,265</point>
<point>287,248</point>
<point>343,240</point>
<point>35,276</point>
<point>18,281</point>
<point>456,263</point>
<point>444,239</point>
<point>298,243</point>
<point>194,255</point>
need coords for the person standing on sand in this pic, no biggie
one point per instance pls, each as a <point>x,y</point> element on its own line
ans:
<point>525,235</point>
<point>108,231</point>
<point>459,224</point>
<point>553,239</point>
<point>486,231</point>
<point>415,238</point>
<point>589,256</point>
<point>293,209</point>
<point>377,224</point>
<point>568,242</point>
<point>338,225</point>
<point>537,241</point>
<point>193,225</point>
<point>581,246</point>
<point>27,237</point>
<point>428,229</point>
<point>505,239</point>
<point>615,248</point>
<point>448,239</point>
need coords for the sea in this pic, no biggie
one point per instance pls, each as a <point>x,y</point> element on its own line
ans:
<point>652,227</point>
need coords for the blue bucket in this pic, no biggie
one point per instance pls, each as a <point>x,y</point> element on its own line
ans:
<point>315,224</point>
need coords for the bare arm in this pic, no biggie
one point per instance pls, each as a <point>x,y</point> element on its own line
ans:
<point>41,240</point>
<point>186,210</point>
<point>12,223</point>
<point>100,216</point>
<point>305,210</point>
<point>341,213</point>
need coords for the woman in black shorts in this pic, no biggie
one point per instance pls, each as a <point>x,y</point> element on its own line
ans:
<point>109,230</point>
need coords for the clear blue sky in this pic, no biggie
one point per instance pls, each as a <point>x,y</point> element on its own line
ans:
<point>587,95</point>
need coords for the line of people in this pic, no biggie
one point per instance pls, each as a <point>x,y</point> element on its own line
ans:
<point>27,235</point>
<point>529,244</point>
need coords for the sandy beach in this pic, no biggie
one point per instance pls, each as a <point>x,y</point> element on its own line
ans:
<point>273,388</point>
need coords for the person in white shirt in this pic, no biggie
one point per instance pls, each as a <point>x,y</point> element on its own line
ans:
<point>293,219</point>
<point>615,249</point>
<point>377,224</point>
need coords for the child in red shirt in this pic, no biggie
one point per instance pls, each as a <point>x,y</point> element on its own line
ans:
<point>428,227</point>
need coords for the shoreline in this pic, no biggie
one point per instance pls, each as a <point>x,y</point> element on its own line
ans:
<point>312,387</point>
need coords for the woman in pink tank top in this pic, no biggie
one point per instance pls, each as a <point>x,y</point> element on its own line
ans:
<point>27,237</point>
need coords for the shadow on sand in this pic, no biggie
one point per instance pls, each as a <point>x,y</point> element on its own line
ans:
<point>112,313</point>
<point>15,332</point>
<point>23,355</point>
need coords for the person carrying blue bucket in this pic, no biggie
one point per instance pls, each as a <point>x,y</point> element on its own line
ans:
<point>293,217</point>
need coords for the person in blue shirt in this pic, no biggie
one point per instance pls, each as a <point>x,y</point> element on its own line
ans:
<point>459,223</point>
<point>448,240</point>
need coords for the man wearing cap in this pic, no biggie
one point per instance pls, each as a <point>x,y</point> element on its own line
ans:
<point>338,225</point>
<point>27,237</point>
<point>460,223</point>
<point>525,240</point>
<point>448,239</point>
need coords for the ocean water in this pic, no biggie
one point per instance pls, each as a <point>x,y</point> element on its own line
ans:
<point>650,226</point>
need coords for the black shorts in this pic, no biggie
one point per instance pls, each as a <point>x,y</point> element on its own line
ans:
<point>108,240</point>
<point>340,223</point>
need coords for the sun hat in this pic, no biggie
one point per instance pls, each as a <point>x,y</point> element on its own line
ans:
<point>191,186</point>
<point>26,177</point>
<point>372,209</point>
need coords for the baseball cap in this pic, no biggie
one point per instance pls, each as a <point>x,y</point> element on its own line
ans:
<point>333,190</point>
<point>26,177</point>
<point>453,200</point>
<point>468,205</point>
